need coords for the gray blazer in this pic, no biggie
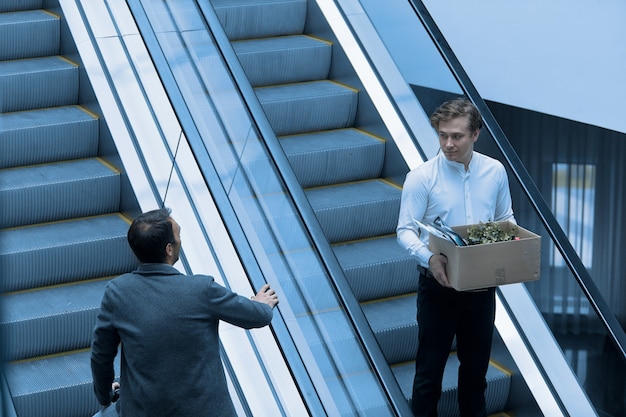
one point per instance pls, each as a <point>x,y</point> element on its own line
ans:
<point>167,324</point>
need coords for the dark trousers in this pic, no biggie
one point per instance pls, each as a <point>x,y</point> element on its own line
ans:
<point>443,313</point>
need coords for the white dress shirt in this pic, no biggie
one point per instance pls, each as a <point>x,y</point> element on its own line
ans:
<point>443,188</point>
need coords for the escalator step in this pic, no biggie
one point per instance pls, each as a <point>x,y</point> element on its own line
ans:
<point>285,59</point>
<point>47,135</point>
<point>28,34</point>
<point>37,82</point>
<point>51,319</point>
<point>248,19</point>
<point>393,321</point>
<point>377,268</point>
<point>496,395</point>
<point>308,107</point>
<point>15,5</point>
<point>53,386</point>
<point>57,191</point>
<point>334,156</point>
<point>356,210</point>
<point>62,252</point>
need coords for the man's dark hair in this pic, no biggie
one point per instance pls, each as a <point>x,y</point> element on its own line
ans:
<point>149,234</point>
<point>457,107</point>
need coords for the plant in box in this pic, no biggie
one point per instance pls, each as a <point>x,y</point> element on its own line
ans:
<point>490,232</point>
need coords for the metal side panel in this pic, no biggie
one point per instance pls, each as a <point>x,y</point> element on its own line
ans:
<point>147,135</point>
<point>401,111</point>
<point>538,356</point>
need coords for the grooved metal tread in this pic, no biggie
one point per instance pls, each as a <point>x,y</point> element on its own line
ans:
<point>29,33</point>
<point>44,118</point>
<point>498,385</point>
<point>50,301</point>
<point>57,191</point>
<point>308,106</point>
<point>245,19</point>
<point>66,251</point>
<point>34,65</point>
<point>393,321</point>
<point>284,59</point>
<point>352,194</point>
<point>47,135</point>
<point>17,5</point>
<point>50,319</point>
<point>53,173</point>
<point>38,82</point>
<point>60,234</point>
<point>357,210</point>
<point>334,156</point>
<point>377,268</point>
<point>54,386</point>
<point>389,313</point>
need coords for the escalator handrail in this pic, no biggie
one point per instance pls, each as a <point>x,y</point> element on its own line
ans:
<point>135,142</point>
<point>560,239</point>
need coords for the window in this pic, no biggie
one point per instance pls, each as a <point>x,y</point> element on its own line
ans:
<point>573,197</point>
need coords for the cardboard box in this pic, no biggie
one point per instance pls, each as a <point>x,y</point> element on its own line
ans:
<point>492,264</point>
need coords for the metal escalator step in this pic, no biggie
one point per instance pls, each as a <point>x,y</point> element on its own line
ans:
<point>334,156</point>
<point>50,319</point>
<point>285,59</point>
<point>62,252</point>
<point>28,34</point>
<point>377,268</point>
<point>16,5</point>
<point>54,386</point>
<point>496,394</point>
<point>38,82</point>
<point>57,191</point>
<point>308,107</point>
<point>47,135</point>
<point>393,321</point>
<point>247,19</point>
<point>356,210</point>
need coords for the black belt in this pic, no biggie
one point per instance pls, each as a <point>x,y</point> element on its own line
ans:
<point>425,271</point>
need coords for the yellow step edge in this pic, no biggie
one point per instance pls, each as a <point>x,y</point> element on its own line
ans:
<point>393,297</point>
<point>364,239</point>
<point>383,180</point>
<point>122,216</point>
<point>364,132</point>
<point>65,284</point>
<point>50,356</point>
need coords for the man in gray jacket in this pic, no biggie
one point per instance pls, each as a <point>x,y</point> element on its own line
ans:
<point>167,323</point>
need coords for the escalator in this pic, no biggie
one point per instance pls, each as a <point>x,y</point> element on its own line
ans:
<point>332,140</point>
<point>69,187</point>
<point>344,160</point>
<point>62,216</point>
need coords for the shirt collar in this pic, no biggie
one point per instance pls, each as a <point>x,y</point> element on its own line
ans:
<point>157,269</point>
<point>457,166</point>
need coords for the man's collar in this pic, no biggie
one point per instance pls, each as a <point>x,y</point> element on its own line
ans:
<point>161,269</point>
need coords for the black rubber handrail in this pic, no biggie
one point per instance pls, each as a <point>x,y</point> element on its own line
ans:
<point>560,239</point>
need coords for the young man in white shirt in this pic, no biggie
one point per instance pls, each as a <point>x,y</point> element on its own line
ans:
<point>461,187</point>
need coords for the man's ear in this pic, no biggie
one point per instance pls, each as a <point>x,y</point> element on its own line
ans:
<point>475,135</point>
<point>169,250</point>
